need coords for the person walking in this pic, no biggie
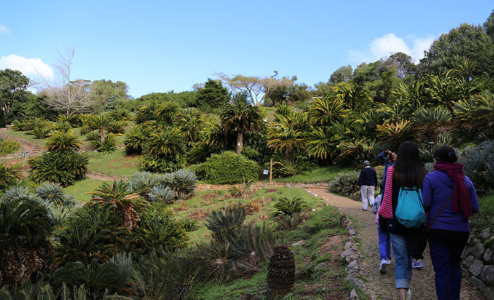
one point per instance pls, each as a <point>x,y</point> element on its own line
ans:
<point>408,171</point>
<point>367,183</point>
<point>388,157</point>
<point>451,199</point>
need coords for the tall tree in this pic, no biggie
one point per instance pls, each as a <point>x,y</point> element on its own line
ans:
<point>465,42</point>
<point>213,94</point>
<point>252,85</point>
<point>489,26</point>
<point>65,94</point>
<point>241,119</point>
<point>342,74</point>
<point>106,90</point>
<point>12,89</point>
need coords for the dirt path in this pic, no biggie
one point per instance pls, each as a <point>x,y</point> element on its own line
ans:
<point>381,286</point>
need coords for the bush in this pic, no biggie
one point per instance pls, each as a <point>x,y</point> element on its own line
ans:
<point>345,184</point>
<point>109,145</point>
<point>42,130</point>
<point>63,167</point>
<point>478,164</point>
<point>8,147</point>
<point>288,207</point>
<point>227,168</point>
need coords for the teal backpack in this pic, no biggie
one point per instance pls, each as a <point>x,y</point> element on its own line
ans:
<point>410,209</point>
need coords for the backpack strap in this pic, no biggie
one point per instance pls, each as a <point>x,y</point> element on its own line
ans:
<point>444,206</point>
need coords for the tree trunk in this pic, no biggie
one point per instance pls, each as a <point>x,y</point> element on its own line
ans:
<point>102,135</point>
<point>240,143</point>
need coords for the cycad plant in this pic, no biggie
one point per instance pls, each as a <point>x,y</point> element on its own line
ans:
<point>25,228</point>
<point>288,207</point>
<point>223,223</point>
<point>63,141</point>
<point>281,271</point>
<point>117,196</point>
<point>9,176</point>
<point>63,167</point>
<point>184,182</point>
<point>162,194</point>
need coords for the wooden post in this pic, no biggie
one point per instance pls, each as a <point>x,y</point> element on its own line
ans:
<point>271,173</point>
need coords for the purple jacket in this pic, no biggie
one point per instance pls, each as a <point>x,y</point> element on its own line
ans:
<point>436,190</point>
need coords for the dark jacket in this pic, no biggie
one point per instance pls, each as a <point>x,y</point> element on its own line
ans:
<point>367,176</point>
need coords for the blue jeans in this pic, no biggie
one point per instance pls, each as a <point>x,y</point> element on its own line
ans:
<point>384,244</point>
<point>403,261</point>
<point>446,261</point>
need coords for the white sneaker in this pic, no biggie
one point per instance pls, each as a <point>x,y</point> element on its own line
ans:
<point>388,261</point>
<point>409,294</point>
<point>382,266</point>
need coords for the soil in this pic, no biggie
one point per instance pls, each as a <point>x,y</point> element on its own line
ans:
<point>381,286</point>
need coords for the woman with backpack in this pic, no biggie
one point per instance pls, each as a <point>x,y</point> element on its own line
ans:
<point>451,198</point>
<point>407,174</point>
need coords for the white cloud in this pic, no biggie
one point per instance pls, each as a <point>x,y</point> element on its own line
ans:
<point>4,29</point>
<point>388,44</point>
<point>28,66</point>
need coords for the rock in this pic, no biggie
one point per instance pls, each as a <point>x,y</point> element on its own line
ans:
<point>353,295</point>
<point>348,245</point>
<point>476,267</point>
<point>477,283</point>
<point>360,284</point>
<point>351,227</point>
<point>488,293</point>
<point>484,234</point>
<point>468,262</point>
<point>352,232</point>
<point>352,268</point>
<point>321,266</point>
<point>487,274</point>
<point>478,250</point>
<point>488,255</point>
<point>288,186</point>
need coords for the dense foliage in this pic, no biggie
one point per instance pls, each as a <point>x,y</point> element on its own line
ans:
<point>227,168</point>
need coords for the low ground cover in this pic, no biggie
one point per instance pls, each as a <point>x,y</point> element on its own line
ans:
<point>324,174</point>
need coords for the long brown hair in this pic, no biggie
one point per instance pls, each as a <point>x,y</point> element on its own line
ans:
<point>408,169</point>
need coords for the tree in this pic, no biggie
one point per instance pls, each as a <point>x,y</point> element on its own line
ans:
<point>241,119</point>
<point>465,42</point>
<point>12,89</point>
<point>342,74</point>
<point>252,85</point>
<point>105,91</point>
<point>101,123</point>
<point>64,93</point>
<point>213,94</point>
<point>489,26</point>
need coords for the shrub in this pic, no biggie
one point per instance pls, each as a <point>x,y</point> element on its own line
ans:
<point>117,127</point>
<point>8,147</point>
<point>109,145</point>
<point>64,126</point>
<point>161,194</point>
<point>63,167</point>
<point>154,163</point>
<point>53,194</point>
<point>9,176</point>
<point>345,184</point>
<point>63,141</point>
<point>42,130</point>
<point>288,207</point>
<point>478,164</point>
<point>223,224</point>
<point>184,182</point>
<point>227,168</point>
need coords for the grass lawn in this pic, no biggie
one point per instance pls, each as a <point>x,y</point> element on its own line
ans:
<point>81,187</point>
<point>324,174</point>
<point>26,136</point>
<point>115,163</point>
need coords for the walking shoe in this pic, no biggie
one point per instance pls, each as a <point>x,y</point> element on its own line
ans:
<point>409,294</point>
<point>417,264</point>
<point>382,266</point>
<point>388,261</point>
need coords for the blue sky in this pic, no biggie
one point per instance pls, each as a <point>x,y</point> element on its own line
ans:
<point>159,46</point>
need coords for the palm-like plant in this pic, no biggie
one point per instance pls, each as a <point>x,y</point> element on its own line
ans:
<point>9,176</point>
<point>322,143</point>
<point>241,118</point>
<point>394,133</point>
<point>63,141</point>
<point>222,224</point>
<point>166,112</point>
<point>25,227</point>
<point>477,113</point>
<point>101,123</point>
<point>165,143</point>
<point>285,136</point>
<point>430,121</point>
<point>289,207</point>
<point>63,167</point>
<point>326,111</point>
<point>117,196</point>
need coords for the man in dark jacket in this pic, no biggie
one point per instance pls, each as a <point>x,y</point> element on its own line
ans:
<point>367,183</point>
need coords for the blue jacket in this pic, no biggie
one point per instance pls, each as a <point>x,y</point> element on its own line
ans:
<point>367,176</point>
<point>436,190</point>
<point>387,164</point>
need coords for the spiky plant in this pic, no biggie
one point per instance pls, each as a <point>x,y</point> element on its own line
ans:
<point>161,194</point>
<point>109,145</point>
<point>136,138</point>
<point>53,194</point>
<point>117,196</point>
<point>184,182</point>
<point>41,131</point>
<point>63,141</point>
<point>63,167</point>
<point>288,207</point>
<point>24,244</point>
<point>222,223</point>
<point>63,126</point>
<point>142,183</point>
<point>9,176</point>
<point>281,271</point>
